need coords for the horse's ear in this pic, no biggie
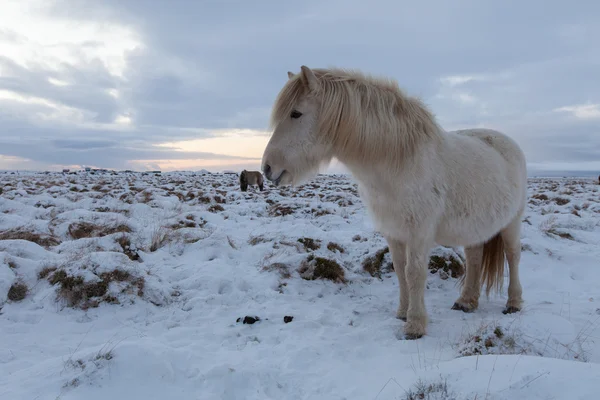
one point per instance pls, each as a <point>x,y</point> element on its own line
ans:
<point>290,74</point>
<point>309,78</point>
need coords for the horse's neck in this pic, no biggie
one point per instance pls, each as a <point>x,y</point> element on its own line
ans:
<point>393,171</point>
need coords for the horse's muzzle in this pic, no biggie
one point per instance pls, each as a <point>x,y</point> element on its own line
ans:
<point>269,174</point>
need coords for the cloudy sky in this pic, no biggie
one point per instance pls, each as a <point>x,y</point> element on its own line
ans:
<point>180,84</point>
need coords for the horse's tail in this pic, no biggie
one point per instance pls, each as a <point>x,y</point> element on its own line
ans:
<point>492,264</point>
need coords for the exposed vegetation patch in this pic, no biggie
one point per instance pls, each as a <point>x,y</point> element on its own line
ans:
<point>79,293</point>
<point>216,208</point>
<point>17,292</point>
<point>334,247</point>
<point>446,266</point>
<point>564,235</point>
<point>254,240</point>
<point>429,391</point>
<point>188,222</point>
<point>160,237</point>
<point>374,264</point>
<point>282,269</point>
<point>30,235</point>
<point>561,201</point>
<point>321,268</point>
<point>81,230</point>
<point>310,244</point>
<point>280,210</point>
<point>358,238</point>
<point>128,249</point>
<point>490,339</point>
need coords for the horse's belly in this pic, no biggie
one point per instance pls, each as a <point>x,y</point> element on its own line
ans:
<point>466,232</point>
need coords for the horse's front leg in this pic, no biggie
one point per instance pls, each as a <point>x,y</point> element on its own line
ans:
<point>398,253</point>
<point>416,278</point>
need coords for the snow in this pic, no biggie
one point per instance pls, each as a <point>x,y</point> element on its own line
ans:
<point>201,255</point>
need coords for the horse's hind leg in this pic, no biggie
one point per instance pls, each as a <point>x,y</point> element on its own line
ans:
<point>511,235</point>
<point>469,297</point>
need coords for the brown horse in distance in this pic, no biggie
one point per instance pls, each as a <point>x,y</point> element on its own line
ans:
<point>251,178</point>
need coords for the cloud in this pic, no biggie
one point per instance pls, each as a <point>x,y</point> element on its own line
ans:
<point>582,111</point>
<point>146,83</point>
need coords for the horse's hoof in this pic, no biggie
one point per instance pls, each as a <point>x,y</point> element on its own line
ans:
<point>511,310</point>
<point>412,336</point>
<point>460,307</point>
<point>401,315</point>
<point>414,330</point>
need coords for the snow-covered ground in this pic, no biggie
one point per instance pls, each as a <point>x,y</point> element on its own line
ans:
<point>137,286</point>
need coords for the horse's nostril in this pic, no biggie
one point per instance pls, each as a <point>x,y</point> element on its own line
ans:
<point>267,170</point>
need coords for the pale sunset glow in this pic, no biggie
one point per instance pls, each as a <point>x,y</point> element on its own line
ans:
<point>232,144</point>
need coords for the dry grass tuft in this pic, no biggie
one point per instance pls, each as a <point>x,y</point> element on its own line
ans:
<point>281,268</point>
<point>490,339</point>
<point>30,235</point>
<point>561,201</point>
<point>429,391</point>
<point>43,274</point>
<point>444,266</point>
<point>280,210</point>
<point>81,294</point>
<point>160,237</point>
<point>564,235</point>
<point>254,240</point>
<point>310,244</point>
<point>334,247</point>
<point>18,291</point>
<point>373,264</point>
<point>321,268</point>
<point>125,242</point>
<point>81,230</point>
<point>216,208</point>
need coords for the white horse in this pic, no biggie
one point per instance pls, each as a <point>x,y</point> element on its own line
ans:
<point>421,185</point>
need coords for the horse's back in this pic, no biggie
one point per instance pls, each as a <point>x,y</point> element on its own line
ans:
<point>502,143</point>
<point>257,177</point>
<point>489,152</point>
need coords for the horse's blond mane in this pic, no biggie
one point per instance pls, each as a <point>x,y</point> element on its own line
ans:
<point>364,117</point>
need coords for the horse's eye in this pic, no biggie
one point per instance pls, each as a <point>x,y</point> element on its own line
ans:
<point>296,114</point>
